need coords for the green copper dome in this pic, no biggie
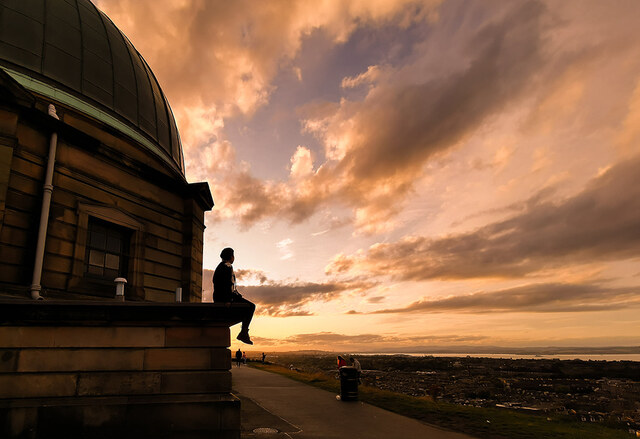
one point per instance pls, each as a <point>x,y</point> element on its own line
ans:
<point>72,53</point>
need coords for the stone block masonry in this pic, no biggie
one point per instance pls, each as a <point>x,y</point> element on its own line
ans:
<point>108,369</point>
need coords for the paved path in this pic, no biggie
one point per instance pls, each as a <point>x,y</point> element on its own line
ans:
<point>299,411</point>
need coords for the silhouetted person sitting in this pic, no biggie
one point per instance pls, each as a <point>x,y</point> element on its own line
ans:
<point>224,290</point>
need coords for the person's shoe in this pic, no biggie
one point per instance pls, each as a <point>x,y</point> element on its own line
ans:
<point>244,337</point>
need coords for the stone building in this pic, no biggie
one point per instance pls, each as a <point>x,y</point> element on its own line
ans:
<point>73,85</point>
<point>92,188</point>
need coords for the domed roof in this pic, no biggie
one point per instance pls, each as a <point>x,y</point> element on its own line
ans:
<point>71,52</point>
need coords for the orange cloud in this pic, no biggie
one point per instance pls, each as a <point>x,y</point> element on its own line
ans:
<point>629,137</point>
<point>225,54</point>
<point>601,223</point>
<point>375,149</point>
<point>287,299</point>
<point>367,342</point>
<point>218,60</point>
<point>547,298</point>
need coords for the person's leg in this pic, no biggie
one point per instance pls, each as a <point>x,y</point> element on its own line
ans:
<point>246,320</point>
<point>243,336</point>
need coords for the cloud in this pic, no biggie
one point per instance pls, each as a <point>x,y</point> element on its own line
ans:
<point>376,148</point>
<point>600,223</point>
<point>370,76</point>
<point>225,63</point>
<point>286,298</point>
<point>284,247</point>
<point>301,163</point>
<point>224,55</point>
<point>332,340</point>
<point>219,60</point>
<point>542,195</point>
<point>544,297</point>
<point>397,127</point>
<point>629,136</point>
<point>245,275</point>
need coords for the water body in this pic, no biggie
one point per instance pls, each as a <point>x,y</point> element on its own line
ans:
<point>510,356</point>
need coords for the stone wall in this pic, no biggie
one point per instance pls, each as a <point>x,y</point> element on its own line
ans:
<point>102,369</point>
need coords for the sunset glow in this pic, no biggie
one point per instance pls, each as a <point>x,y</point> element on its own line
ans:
<point>396,174</point>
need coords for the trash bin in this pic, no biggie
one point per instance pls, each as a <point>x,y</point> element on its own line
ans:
<point>348,383</point>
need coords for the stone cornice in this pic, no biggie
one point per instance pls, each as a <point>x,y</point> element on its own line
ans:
<point>99,313</point>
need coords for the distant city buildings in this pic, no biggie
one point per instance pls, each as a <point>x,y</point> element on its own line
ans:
<point>534,386</point>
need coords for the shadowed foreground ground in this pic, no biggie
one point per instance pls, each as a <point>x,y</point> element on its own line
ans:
<point>300,411</point>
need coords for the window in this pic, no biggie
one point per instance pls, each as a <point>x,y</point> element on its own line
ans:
<point>107,250</point>
<point>109,244</point>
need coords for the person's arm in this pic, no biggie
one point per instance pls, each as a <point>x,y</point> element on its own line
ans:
<point>234,286</point>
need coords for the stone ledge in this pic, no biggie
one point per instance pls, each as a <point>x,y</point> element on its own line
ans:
<point>98,313</point>
<point>113,336</point>
<point>55,359</point>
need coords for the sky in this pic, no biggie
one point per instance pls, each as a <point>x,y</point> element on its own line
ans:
<point>395,174</point>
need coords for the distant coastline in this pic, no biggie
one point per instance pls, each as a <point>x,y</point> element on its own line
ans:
<point>605,353</point>
<point>514,356</point>
<point>525,350</point>
<point>608,353</point>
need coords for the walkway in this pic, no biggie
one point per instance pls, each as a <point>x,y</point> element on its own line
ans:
<point>299,411</point>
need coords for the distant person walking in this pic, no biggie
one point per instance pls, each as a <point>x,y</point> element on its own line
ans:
<point>356,364</point>
<point>224,291</point>
<point>244,357</point>
<point>238,357</point>
<point>263,357</point>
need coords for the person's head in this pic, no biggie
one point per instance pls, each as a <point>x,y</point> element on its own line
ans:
<point>227,255</point>
<point>351,359</point>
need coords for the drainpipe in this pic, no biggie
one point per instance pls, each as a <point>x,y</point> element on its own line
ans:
<point>44,214</point>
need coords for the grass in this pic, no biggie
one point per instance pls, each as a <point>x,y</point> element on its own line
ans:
<point>479,422</point>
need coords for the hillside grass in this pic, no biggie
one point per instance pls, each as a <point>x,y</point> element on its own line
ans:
<point>483,423</point>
